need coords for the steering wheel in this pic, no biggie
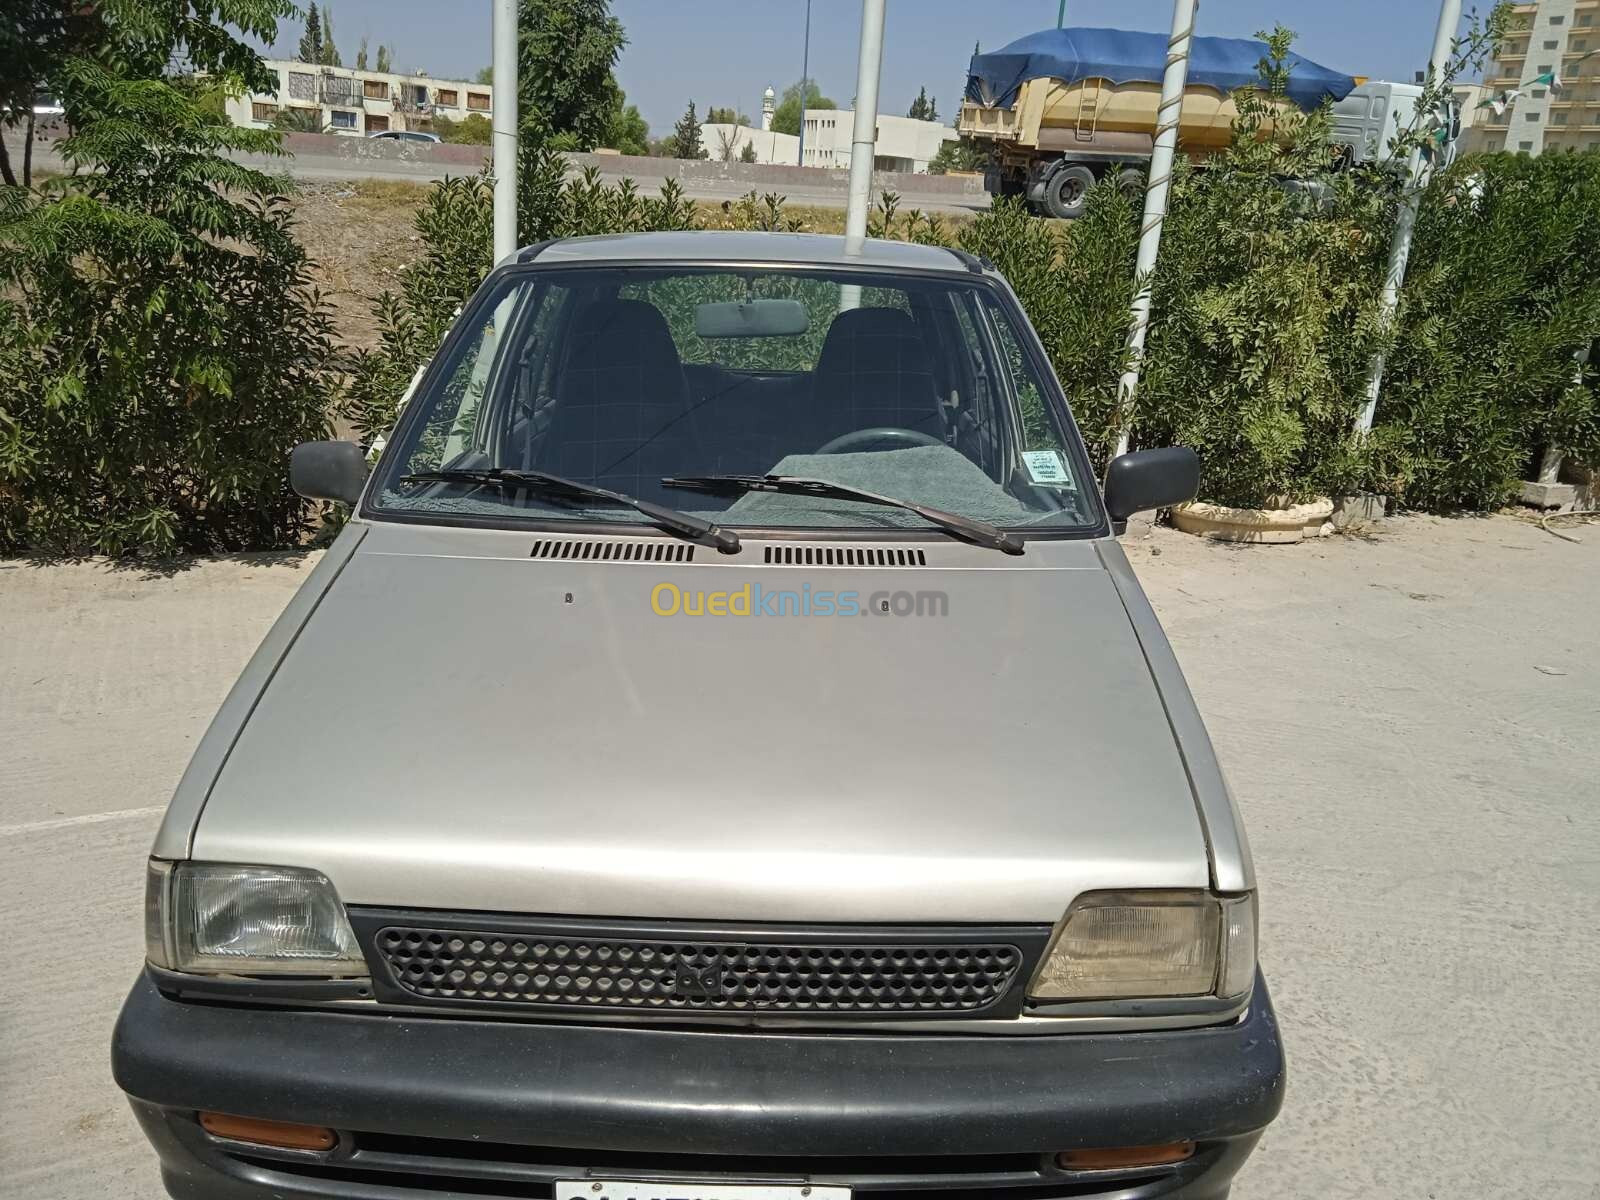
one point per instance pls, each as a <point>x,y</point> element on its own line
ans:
<point>884,433</point>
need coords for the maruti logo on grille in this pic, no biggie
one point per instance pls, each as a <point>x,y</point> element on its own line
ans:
<point>698,983</point>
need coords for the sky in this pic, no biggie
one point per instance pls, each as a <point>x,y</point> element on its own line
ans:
<point>727,53</point>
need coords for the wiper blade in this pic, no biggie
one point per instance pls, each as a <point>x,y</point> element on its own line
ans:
<point>683,524</point>
<point>967,528</point>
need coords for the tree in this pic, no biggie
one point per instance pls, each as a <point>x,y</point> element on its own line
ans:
<point>959,155</point>
<point>628,133</point>
<point>472,130</point>
<point>566,50</point>
<point>385,59</point>
<point>330,52</point>
<point>728,139</point>
<point>686,135</point>
<point>726,116</point>
<point>361,56</point>
<point>748,154</point>
<point>162,346</point>
<point>35,39</point>
<point>920,107</point>
<point>485,76</point>
<point>299,120</point>
<point>311,38</point>
<point>786,117</point>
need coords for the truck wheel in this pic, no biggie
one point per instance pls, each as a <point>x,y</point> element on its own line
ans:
<point>1067,193</point>
<point>1130,180</point>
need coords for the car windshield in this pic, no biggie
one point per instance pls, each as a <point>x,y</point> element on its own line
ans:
<point>918,388</point>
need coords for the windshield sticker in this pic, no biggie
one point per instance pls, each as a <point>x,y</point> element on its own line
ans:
<point>1046,467</point>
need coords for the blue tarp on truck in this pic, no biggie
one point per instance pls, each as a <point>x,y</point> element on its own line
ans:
<point>1125,56</point>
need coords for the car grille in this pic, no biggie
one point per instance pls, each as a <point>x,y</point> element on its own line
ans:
<point>591,969</point>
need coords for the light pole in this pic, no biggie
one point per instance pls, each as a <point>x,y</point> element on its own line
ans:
<point>504,131</point>
<point>1444,38</point>
<point>805,83</point>
<point>864,126</point>
<point>1061,14</point>
<point>1155,209</point>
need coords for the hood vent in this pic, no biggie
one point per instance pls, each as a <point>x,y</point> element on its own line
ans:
<point>844,556</point>
<point>614,551</point>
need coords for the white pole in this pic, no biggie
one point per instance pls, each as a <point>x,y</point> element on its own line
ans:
<point>864,127</point>
<point>1406,223</point>
<point>805,86</point>
<point>504,133</point>
<point>1159,185</point>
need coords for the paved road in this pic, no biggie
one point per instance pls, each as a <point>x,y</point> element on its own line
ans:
<point>338,167</point>
<point>1409,723</point>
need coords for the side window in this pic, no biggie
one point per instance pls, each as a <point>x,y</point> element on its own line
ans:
<point>453,424</point>
<point>1039,431</point>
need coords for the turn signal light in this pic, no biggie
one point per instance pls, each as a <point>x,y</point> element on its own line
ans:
<point>1123,1157</point>
<point>281,1134</point>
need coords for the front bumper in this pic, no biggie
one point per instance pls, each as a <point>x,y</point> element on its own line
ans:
<point>456,1104</point>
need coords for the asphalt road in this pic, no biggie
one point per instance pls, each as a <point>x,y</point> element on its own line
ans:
<point>336,167</point>
<point>1409,724</point>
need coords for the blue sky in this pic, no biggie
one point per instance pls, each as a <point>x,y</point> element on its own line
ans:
<point>726,53</point>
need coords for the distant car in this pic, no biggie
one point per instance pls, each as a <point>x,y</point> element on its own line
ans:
<point>46,105</point>
<point>404,135</point>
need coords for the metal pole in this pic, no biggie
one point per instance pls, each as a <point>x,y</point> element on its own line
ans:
<point>1173,82</point>
<point>1406,223</point>
<point>805,86</point>
<point>864,126</point>
<point>504,132</point>
<point>1061,14</point>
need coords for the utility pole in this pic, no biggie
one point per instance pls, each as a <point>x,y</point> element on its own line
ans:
<point>864,126</point>
<point>1405,225</point>
<point>1061,14</point>
<point>1173,81</point>
<point>504,130</point>
<point>805,85</point>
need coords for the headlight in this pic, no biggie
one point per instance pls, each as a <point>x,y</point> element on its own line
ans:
<point>1150,945</point>
<point>218,918</point>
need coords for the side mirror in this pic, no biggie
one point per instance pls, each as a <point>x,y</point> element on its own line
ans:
<point>1149,479</point>
<point>328,471</point>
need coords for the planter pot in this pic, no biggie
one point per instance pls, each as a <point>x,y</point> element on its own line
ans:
<point>1262,525</point>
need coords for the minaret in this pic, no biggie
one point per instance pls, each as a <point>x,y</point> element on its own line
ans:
<point>768,100</point>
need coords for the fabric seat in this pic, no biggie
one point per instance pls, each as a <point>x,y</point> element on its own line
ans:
<point>874,371</point>
<point>620,416</point>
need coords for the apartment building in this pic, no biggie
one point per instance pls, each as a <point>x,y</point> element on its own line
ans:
<point>1560,36</point>
<point>360,103</point>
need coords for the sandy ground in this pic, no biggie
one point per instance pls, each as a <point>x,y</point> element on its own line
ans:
<point>1409,723</point>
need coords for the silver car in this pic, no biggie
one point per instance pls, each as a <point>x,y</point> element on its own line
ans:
<point>725,755</point>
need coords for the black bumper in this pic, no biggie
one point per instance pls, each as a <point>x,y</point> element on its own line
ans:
<point>616,1089</point>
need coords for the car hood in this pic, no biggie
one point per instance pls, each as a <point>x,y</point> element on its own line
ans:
<point>459,725</point>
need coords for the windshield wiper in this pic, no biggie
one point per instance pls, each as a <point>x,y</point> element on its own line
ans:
<point>683,524</point>
<point>966,528</point>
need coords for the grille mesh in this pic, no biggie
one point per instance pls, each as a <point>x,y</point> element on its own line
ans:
<point>613,973</point>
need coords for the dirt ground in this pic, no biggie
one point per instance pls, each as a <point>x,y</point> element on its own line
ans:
<point>1408,721</point>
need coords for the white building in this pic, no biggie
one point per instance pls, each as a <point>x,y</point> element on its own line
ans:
<point>359,103</point>
<point>725,143</point>
<point>1547,37</point>
<point>903,144</point>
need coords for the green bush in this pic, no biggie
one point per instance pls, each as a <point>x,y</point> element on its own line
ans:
<point>161,344</point>
<point>1503,291</point>
<point>472,130</point>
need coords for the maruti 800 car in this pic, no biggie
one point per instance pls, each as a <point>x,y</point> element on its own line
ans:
<point>726,755</point>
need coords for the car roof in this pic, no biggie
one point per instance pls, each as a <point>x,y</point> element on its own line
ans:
<point>728,246</point>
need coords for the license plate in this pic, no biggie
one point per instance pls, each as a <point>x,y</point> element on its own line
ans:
<point>645,1189</point>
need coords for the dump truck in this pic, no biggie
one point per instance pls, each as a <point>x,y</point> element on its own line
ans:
<point>1063,108</point>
